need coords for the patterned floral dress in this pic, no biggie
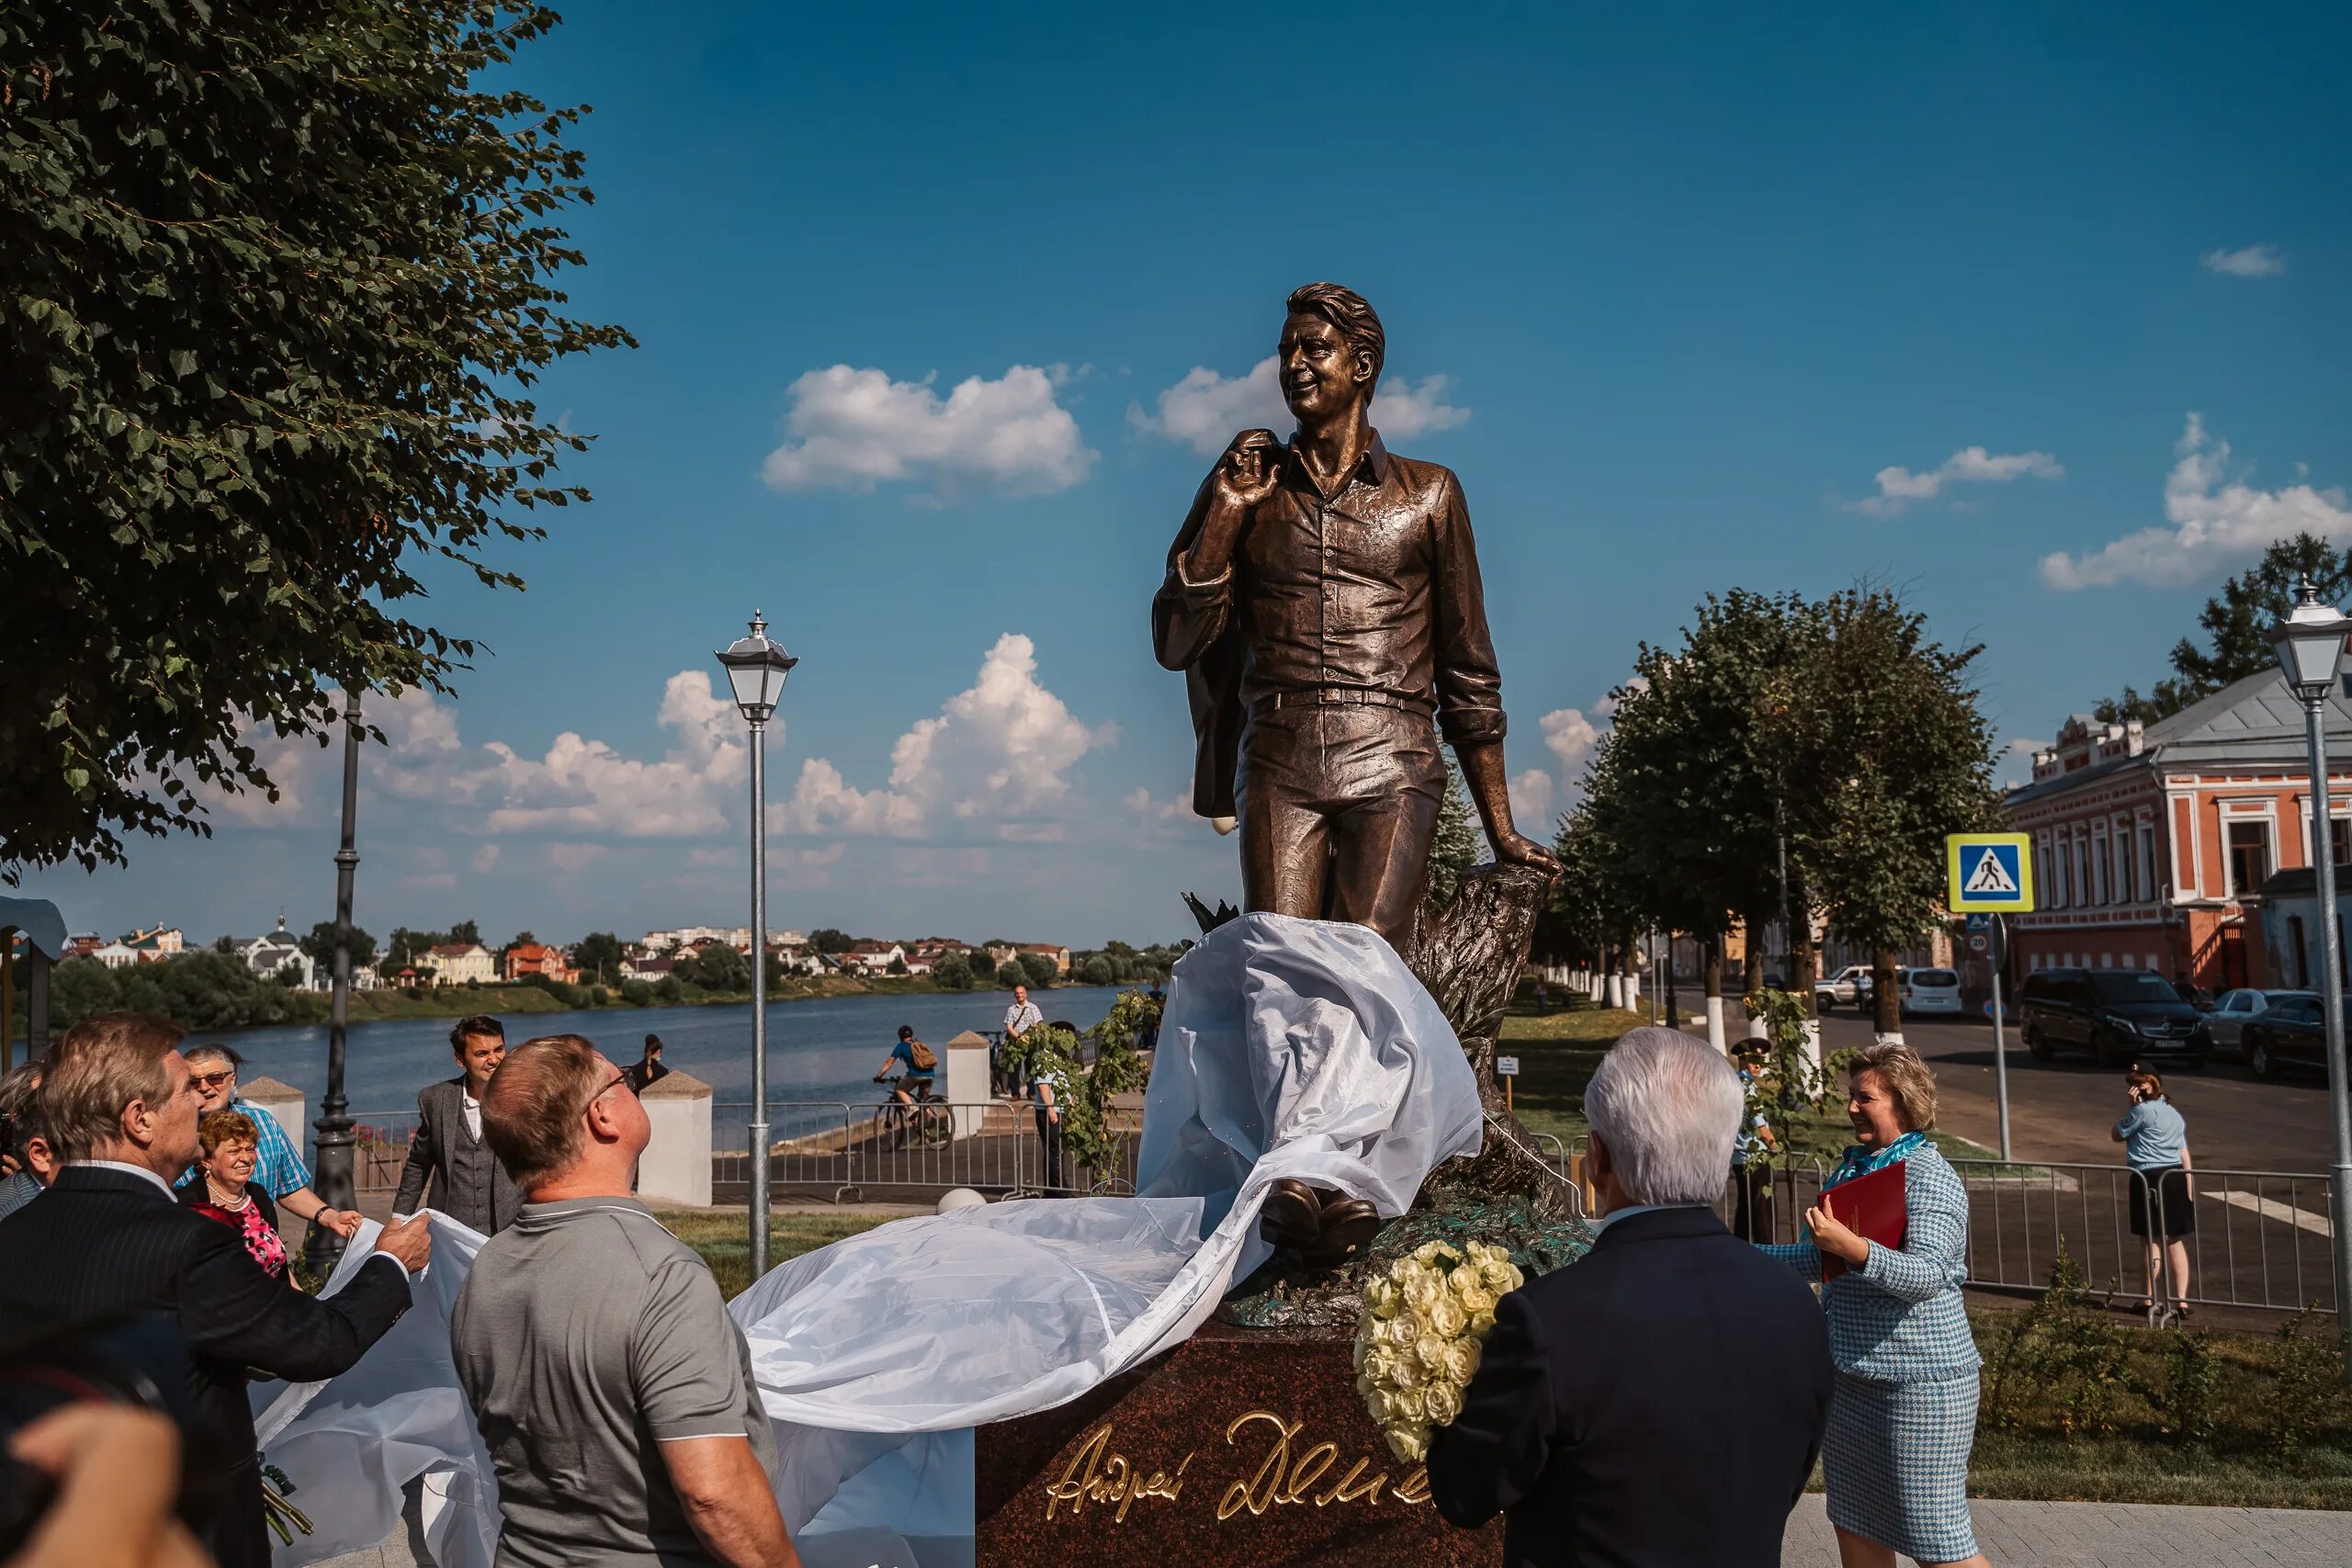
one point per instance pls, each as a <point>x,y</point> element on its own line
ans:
<point>256,1221</point>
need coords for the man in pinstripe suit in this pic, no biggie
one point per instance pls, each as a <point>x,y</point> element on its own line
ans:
<point>107,1241</point>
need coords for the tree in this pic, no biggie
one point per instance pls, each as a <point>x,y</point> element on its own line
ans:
<point>953,973</point>
<point>521,938</point>
<point>1040,970</point>
<point>2234,621</point>
<point>1099,970</point>
<point>318,945</point>
<point>1888,756</point>
<point>1454,848</point>
<point>599,954</point>
<point>898,966</point>
<point>465,933</point>
<point>827,941</point>
<point>983,963</point>
<point>717,967</point>
<point>279,283</point>
<point>1679,796</point>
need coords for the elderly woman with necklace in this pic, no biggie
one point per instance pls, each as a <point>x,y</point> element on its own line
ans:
<point>1903,1418</point>
<point>225,1189</point>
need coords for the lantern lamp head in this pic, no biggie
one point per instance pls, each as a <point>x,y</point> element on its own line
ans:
<point>2310,644</point>
<point>756,669</point>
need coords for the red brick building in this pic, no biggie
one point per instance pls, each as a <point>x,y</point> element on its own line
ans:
<point>2150,845</point>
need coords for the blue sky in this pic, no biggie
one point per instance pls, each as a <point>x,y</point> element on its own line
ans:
<point>2037,312</point>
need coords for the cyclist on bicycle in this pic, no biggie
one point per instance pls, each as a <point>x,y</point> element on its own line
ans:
<point>920,1062</point>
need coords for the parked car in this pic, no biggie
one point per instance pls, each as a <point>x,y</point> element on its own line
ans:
<point>2117,1015</point>
<point>2224,1028</point>
<point>1927,991</point>
<point>1850,985</point>
<point>2290,1032</point>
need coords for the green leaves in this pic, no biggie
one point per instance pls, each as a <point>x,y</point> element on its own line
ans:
<point>268,275</point>
<point>1838,724</point>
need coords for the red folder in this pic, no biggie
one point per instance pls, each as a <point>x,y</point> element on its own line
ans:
<point>1872,1207</point>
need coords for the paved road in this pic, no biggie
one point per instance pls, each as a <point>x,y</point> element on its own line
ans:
<point>2061,1111</point>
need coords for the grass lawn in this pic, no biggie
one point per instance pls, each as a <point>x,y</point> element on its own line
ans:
<point>724,1241</point>
<point>2261,1453</point>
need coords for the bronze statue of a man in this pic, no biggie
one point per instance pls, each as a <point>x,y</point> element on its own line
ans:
<point>1324,604</point>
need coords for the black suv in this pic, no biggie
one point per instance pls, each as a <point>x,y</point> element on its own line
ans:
<point>2119,1016</point>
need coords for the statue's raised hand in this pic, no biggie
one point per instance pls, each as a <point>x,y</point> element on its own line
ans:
<point>1250,468</point>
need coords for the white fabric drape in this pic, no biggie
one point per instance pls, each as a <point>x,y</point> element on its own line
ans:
<point>1289,1048</point>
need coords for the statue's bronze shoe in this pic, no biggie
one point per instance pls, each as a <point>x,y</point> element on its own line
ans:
<point>1348,1226</point>
<point>1293,1216</point>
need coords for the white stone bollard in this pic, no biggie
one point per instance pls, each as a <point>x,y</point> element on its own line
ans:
<point>288,1104</point>
<point>960,1198</point>
<point>675,1168</point>
<point>966,1061</point>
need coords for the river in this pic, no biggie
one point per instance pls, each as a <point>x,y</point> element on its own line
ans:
<point>824,1050</point>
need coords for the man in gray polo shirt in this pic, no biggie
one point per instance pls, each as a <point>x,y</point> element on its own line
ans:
<point>612,1391</point>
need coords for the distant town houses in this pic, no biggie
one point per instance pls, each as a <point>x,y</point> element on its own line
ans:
<point>2184,846</point>
<point>527,958</point>
<point>269,955</point>
<point>656,956</point>
<point>458,963</point>
<point>875,958</point>
<point>737,937</point>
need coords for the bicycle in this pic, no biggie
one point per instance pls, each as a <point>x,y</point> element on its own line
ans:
<point>932,1122</point>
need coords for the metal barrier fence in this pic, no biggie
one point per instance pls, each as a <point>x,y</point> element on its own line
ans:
<point>380,1149</point>
<point>843,1151</point>
<point>2258,1239</point>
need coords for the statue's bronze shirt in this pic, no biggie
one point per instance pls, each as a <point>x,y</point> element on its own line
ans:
<point>1370,596</point>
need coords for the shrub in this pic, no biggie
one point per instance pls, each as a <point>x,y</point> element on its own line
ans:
<point>636,993</point>
<point>2191,1393</point>
<point>2306,1385</point>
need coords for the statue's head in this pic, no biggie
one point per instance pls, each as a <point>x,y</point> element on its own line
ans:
<point>1331,354</point>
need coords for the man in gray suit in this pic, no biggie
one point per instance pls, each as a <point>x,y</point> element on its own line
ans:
<point>468,1184</point>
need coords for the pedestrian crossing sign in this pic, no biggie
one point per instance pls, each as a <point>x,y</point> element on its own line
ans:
<point>1988,872</point>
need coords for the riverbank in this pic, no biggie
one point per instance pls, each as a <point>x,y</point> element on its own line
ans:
<point>458,1001</point>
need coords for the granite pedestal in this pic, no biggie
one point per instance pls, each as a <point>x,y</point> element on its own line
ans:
<point>1242,1446</point>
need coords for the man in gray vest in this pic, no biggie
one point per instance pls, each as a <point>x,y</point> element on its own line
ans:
<point>468,1184</point>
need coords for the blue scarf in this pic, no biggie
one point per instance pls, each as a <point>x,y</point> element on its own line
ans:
<point>1860,1161</point>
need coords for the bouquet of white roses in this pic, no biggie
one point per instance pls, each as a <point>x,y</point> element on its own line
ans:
<point>1417,1341</point>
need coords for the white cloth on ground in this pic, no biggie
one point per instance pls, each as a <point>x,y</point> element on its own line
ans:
<point>1289,1048</point>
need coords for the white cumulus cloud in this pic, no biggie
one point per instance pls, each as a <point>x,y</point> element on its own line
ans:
<point>1206,410</point>
<point>484,858</point>
<point>1531,802</point>
<point>580,784</point>
<point>2247,261</point>
<point>1571,737</point>
<point>998,753</point>
<point>1899,487</point>
<point>852,429</point>
<point>2213,522</point>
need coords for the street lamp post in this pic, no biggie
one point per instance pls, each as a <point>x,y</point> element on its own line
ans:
<point>2310,645</point>
<point>322,1246</point>
<point>756,668</point>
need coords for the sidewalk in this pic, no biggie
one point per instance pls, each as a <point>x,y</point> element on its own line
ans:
<point>2126,1535</point>
<point>2014,1535</point>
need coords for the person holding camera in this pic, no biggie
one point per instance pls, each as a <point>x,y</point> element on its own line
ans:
<point>109,1242</point>
<point>2163,1202</point>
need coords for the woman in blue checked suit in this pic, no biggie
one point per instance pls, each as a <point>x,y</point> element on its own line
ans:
<point>1903,1418</point>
